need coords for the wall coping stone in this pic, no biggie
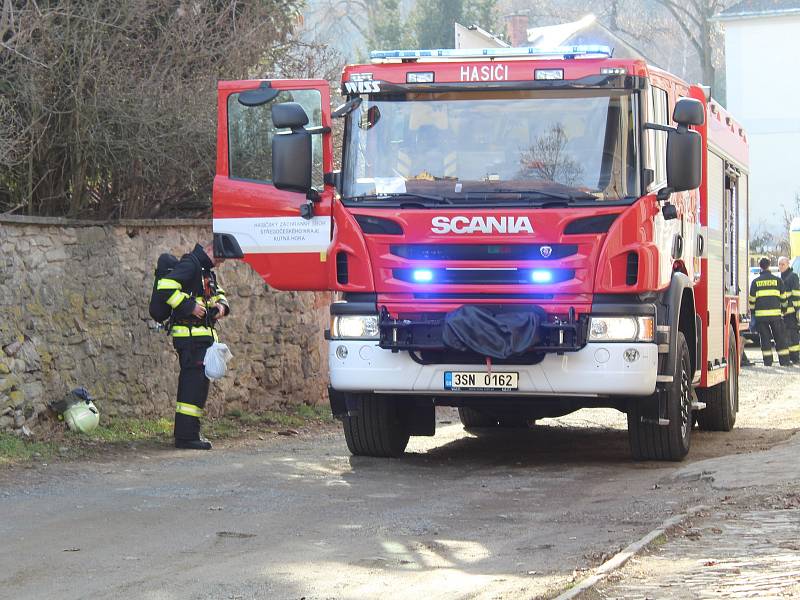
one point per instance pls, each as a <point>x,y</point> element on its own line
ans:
<point>64,222</point>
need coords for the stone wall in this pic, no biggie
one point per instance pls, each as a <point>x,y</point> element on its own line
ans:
<point>73,311</point>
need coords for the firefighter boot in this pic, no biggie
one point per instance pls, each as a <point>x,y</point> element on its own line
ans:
<point>198,444</point>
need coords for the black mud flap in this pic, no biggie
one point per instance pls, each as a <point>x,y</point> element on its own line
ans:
<point>487,333</point>
<point>338,401</point>
<point>651,409</point>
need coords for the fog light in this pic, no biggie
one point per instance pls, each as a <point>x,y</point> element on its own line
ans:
<point>631,355</point>
<point>341,352</point>
<point>599,329</point>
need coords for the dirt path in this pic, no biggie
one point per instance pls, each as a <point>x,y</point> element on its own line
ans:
<point>499,516</point>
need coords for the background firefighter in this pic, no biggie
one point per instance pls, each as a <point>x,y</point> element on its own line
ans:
<point>768,303</point>
<point>197,302</point>
<point>791,286</point>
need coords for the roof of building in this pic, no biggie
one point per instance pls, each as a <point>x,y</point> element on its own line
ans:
<point>760,8</point>
<point>584,31</point>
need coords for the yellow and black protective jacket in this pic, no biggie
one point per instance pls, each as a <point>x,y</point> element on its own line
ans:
<point>791,286</point>
<point>192,282</point>
<point>767,296</point>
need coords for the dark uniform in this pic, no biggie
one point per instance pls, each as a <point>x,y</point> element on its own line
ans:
<point>191,282</point>
<point>791,286</point>
<point>768,303</point>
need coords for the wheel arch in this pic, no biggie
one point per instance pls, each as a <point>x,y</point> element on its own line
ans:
<point>677,310</point>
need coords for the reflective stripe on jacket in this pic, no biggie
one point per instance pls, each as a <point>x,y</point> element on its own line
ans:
<point>767,296</point>
<point>791,285</point>
<point>189,283</point>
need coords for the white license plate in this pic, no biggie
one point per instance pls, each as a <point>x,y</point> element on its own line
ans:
<point>480,381</point>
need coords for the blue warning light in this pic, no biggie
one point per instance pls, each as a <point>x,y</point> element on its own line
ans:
<point>422,275</point>
<point>541,276</point>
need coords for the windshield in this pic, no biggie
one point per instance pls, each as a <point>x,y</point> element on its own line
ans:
<point>576,146</point>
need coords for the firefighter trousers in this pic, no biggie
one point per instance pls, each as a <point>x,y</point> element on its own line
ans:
<point>790,328</point>
<point>770,328</point>
<point>192,386</point>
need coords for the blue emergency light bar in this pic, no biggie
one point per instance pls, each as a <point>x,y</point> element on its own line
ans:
<point>581,51</point>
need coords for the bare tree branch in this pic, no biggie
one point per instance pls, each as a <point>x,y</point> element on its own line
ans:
<point>107,107</point>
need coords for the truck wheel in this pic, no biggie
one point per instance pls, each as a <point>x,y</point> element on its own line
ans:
<point>375,429</point>
<point>722,400</point>
<point>472,418</point>
<point>650,441</point>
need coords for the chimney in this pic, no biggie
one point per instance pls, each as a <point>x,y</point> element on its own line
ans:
<point>517,28</point>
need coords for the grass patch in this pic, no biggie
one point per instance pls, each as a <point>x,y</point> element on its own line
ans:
<point>317,412</point>
<point>14,449</point>
<point>295,416</point>
<point>118,431</point>
<point>121,430</point>
<point>658,542</point>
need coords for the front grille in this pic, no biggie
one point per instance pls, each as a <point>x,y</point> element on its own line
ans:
<point>453,276</point>
<point>566,333</point>
<point>481,296</point>
<point>487,252</point>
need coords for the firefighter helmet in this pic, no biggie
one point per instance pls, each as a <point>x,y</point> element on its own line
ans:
<point>82,416</point>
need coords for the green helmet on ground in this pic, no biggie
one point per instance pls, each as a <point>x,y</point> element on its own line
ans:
<point>82,417</point>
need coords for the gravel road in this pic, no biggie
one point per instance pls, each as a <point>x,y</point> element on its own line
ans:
<point>511,515</point>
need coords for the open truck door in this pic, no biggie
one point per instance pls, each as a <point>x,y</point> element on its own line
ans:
<point>271,205</point>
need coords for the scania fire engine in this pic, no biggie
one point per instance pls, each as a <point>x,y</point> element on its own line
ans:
<point>515,232</point>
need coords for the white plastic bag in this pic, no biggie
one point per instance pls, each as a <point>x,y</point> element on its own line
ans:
<point>216,360</point>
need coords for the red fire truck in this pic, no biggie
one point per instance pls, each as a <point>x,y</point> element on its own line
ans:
<point>515,232</point>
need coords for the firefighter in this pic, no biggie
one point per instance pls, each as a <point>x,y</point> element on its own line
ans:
<point>768,303</point>
<point>197,302</point>
<point>791,286</point>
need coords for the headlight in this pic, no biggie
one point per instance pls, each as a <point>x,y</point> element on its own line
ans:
<point>621,329</point>
<point>355,327</point>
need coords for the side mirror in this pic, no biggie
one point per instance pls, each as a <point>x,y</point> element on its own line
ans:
<point>291,152</point>
<point>684,160</point>
<point>261,95</point>
<point>689,111</point>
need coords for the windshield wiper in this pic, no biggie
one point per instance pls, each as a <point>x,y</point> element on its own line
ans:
<point>399,196</point>
<point>567,197</point>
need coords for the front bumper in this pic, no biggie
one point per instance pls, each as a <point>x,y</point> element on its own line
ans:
<point>598,369</point>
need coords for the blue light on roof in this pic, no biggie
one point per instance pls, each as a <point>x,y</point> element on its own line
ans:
<point>583,50</point>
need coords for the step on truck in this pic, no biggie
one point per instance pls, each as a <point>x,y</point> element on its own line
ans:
<point>513,232</point>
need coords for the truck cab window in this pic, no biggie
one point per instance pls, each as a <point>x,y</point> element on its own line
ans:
<point>657,112</point>
<point>579,145</point>
<point>250,133</point>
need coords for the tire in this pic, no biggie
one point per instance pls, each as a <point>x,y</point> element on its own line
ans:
<point>650,441</point>
<point>722,400</point>
<point>472,418</point>
<point>377,429</point>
